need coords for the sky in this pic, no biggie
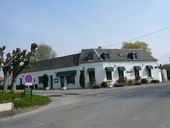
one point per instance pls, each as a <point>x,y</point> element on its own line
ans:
<point>71,25</point>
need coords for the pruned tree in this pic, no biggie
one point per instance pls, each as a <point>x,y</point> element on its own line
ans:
<point>44,52</point>
<point>15,63</point>
<point>1,55</point>
<point>21,62</point>
<point>137,45</point>
<point>7,69</point>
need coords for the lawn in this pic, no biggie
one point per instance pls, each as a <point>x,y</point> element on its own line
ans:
<point>21,101</point>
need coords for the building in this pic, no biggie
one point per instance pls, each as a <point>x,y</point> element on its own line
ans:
<point>95,64</point>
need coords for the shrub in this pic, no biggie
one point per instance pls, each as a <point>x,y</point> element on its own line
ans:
<point>130,82</point>
<point>119,85</point>
<point>93,85</point>
<point>82,79</point>
<point>144,81</point>
<point>155,81</point>
<point>137,83</point>
<point>122,80</point>
<point>138,78</point>
<point>103,84</point>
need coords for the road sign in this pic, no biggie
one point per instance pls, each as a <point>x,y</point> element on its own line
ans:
<point>28,78</point>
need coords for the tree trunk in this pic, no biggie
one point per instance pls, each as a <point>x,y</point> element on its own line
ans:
<point>5,86</point>
<point>14,81</point>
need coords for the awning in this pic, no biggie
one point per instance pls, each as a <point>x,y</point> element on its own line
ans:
<point>67,73</point>
<point>109,69</point>
<point>90,70</point>
<point>149,67</point>
<point>121,68</point>
<point>137,68</point>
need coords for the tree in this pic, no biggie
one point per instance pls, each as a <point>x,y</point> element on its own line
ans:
<point>137,45</point>
<point>15,63</point>
<point>82,79</point>
<point>21,62</point>
<point>44,52</point>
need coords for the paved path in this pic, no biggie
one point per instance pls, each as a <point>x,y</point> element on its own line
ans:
<point>129,107</point>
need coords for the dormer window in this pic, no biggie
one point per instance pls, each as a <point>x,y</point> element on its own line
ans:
<point>132,55</point>
<point>105,56</point>
<point>90,56</point>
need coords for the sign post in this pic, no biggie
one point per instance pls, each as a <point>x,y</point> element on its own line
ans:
<point>28,83</point>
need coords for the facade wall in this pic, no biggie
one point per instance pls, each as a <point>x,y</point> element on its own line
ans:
<point>52,73</point>
<point>129,72</point>
<point>100,73</point>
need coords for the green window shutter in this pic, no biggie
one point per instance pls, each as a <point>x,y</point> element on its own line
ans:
<point>109,69</point>
<point>121,68</point>
<point>67,73</point>
<point>149,67</point>
<point>89,70</point>
<point>137,68</point>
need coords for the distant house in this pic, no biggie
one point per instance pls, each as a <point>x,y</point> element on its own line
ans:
<point>95,64</point>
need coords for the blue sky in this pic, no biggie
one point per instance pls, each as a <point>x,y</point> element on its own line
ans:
<point>70,25</point>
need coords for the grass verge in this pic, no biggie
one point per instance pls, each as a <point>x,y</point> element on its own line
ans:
<point>22,102</point>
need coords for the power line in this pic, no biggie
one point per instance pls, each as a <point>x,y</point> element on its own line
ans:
<point>142,36</point>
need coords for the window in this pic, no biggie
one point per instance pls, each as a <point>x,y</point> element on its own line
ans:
<point>90,56</point>
<point>149,74</point>
<point>148,70</point>
<point>136,71</point>
<point>132,55</point>
<point>109,75</point>
<point>121,74</point>
<point>137,74</point>
<point>70,79</point>
<point>40,79</point>
<point>121,70</point>
<point>91,76</point>
<point>105,56</point>
<point>20,81</point>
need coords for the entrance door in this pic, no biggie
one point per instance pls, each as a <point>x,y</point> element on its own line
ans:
<point>51,82</point>
<point>62,81</point>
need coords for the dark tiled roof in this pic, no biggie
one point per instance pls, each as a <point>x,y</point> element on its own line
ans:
<point>115,55</point>
<point>59,62</point>
<point>75,59</point>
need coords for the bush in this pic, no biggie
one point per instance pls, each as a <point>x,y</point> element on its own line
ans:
<point>103,84</point>
<point>138,78</point>
<point>122,80</point>
<point>144,81</point>
<point>93,85</point>
<point>119,85</point>
<point>155,81</point>
<point>137,83</point>
<point>130,82</point>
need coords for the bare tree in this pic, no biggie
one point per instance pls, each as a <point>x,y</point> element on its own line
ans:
<point>21,62</point>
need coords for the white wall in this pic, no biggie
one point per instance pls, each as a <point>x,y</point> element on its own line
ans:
<point>52,73</point>
<point>129,73</point>
<point>100,73</point>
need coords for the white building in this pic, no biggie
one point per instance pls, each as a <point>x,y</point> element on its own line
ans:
<point>95,64</point>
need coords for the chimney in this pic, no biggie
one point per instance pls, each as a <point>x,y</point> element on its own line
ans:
<point>99,47</point>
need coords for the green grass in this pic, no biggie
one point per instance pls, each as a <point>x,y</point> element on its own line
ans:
<point>22,102</point>
<point>9,97</point>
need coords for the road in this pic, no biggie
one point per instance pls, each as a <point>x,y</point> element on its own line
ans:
<point>130,107</point>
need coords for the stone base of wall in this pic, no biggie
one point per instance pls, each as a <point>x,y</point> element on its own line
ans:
<point>6,107</point>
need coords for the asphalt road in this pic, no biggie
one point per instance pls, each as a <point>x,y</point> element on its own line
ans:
<point>132,107</point>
